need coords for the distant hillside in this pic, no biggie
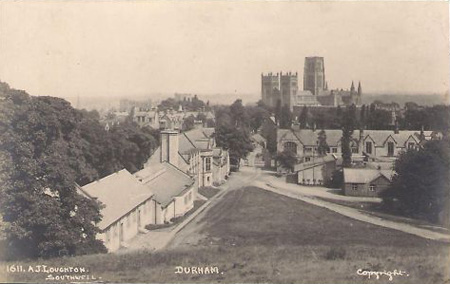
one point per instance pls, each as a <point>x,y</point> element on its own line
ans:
<point>401,99</point>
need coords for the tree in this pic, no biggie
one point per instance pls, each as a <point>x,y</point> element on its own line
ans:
<point>303,117</point>
<point>322,148</point>
<point>46,147</point>
<point>287,159</point>
<point>257,115</point>
<point>188,123</point>
<point>363,117</point>
<point>421,185</point>
<point>285,118</point>
<point>239,114</point>
<point>348,126</point>
<point>278,112</point>
<point>236,140</point>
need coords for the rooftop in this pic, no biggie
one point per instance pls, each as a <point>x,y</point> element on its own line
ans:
<point>365,175</point>
<point>164,181</point>
<point>119,192</point>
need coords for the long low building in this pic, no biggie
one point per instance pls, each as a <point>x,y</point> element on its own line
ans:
<point>127,207</point>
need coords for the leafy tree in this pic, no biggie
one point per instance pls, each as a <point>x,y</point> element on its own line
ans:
<point>236,140</point>
<point>322,148</point>
<point>239,114</point>
<point>232,131</point>
<point>348,126</point>
<point>363,117</point>
<point>285,118</point>
<point>257,115</point>
<point>287,159</point>
<point>421,185</point>
<point>303,117</point>
<point>46,147</point>
<point>188,123</point>
<point>201,116</point>
<point>278,112</point>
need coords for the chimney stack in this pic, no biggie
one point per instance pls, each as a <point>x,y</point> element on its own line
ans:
<point>169,147</point>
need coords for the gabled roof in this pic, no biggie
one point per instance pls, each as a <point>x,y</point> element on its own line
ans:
<point>317,162</point>
<point>200,138</point>
<point>365,175</point>
<point>119,192</point>
<point>309,137</point>
<point>164,181</point>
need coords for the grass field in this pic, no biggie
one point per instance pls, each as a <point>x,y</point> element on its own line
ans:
<point>257,236</point>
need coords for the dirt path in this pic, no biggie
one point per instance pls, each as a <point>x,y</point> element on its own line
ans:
<point>351,212</point>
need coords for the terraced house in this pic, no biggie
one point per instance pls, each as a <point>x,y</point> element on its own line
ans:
<point>370,144</point>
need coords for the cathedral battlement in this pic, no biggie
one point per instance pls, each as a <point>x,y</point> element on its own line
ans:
<point>282,88</point>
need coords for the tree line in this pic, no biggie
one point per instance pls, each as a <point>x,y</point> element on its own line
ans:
<point>46,147</point>
<point>374,116</point>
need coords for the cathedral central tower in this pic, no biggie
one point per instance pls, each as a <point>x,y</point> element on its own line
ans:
<point>314,75</point>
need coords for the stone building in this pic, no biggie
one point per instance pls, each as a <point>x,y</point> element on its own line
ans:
<point>282,89</point>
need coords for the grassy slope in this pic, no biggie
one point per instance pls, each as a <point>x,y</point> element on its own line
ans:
<point>258,236</point>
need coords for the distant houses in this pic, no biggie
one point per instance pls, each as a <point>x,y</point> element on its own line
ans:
<point>373,155</point>
<point>164,189</point>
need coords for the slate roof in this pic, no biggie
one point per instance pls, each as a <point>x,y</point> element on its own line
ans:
<point>258,138</point>
<point>164,181</point>
<point>119,192</point>
<point>317,162</point>
<point>365,175</point>
<point>310,137</point>
<point>199,138</point>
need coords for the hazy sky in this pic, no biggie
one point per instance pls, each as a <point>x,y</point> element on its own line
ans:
<point>108,48</point>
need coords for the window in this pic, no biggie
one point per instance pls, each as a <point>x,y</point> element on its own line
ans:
<point>208,165</point>
<point>334,150</point>
<point>369,147</point>
<point>308,149</point>
<point>355,150</point>
<point>291,147</point>
<point>390,149</point>
<point>354,186</point>
<point>307,159</point>
<point>372,187</point>
<point>411,145</point>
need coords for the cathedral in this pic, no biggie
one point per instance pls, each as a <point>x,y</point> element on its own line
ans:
<point>283,88</point>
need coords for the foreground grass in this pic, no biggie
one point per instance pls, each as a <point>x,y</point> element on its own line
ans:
<point>258,236</point>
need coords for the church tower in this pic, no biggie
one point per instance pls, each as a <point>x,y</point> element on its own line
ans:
<point>314,75</point>
<point>288,88</point>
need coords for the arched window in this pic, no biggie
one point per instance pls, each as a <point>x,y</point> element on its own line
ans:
<point>291,147</point>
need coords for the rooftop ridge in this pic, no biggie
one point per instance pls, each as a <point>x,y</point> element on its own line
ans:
<point>104,178</point>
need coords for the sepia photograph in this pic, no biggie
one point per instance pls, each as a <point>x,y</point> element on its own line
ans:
<point>213,141</point>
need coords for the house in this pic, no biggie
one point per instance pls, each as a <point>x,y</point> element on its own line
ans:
<point>146,117</point>
<point>316,172</point>
<point>365,144</point>
<point>154,195</point>
<point>366,182</point>
<point>173,191</point>
<point>221,166</point>
<point>201,157</point>
<point>128,207</point>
